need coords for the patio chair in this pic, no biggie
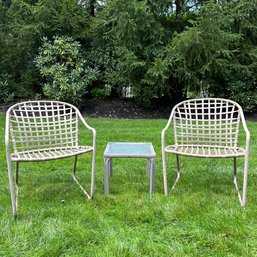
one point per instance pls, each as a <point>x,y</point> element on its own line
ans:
<point>209,128</point>
<point>42,131</point>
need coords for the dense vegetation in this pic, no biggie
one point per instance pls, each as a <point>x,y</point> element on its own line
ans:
<point>162,49</point>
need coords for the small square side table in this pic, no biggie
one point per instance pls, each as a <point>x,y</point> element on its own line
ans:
<point>128,150</point>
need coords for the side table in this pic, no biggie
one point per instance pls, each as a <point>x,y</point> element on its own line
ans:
<point>128,150</point>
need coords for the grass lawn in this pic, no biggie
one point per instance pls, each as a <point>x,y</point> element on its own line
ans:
<point>200,217</point>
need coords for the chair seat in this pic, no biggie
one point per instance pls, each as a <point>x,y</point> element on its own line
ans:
<point>50,153</point>
<point>206,151</point>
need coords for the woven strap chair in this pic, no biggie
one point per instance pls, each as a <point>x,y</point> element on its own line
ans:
<point>207,127</point>
<point>41,131</point>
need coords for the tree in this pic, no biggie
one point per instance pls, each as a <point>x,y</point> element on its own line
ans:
<point>135,36</point>
<point>211,55</point>
<point>137,33</point>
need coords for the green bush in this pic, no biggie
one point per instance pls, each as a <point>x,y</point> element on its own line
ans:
<point>101,93</point>
<point>5,92</point>
<point>66,73</point>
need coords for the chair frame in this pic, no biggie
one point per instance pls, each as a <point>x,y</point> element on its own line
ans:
<point>229,141</point>
<point>26,140</point>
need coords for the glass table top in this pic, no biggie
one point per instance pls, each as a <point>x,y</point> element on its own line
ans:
<point>129,149</point>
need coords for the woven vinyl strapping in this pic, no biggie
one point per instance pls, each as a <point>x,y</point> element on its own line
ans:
<point>207,122</point>
<point>43,124</point>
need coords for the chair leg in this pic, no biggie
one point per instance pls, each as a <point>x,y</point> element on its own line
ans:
<point>17,183</point>
<point>235,180</point>
<point>235,172</point>
<point>243,203</point>
<point>93,175</point>
<point>164,173</point>
<point>12,189</point>
<point>75,179</point>
<point>75,165</point>
<point>178,172</point>
<point>242,199</point>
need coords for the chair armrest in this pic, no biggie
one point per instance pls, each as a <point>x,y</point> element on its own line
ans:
<point>89,128</point>
<point>166,127</point>
<point>7,134</point>
<point>247,133</point>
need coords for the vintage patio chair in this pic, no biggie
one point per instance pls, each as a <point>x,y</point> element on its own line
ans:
<point>207,127</point>
<point>41,131</point>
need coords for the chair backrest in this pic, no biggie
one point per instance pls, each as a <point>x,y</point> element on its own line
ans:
<point>207,121</point>
<point>43,124</point>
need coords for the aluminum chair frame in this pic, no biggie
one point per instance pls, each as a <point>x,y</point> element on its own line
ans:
<point>42,131</point>
<point>207,127</point>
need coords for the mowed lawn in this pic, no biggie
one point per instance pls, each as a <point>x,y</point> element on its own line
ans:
<point>200,217</point>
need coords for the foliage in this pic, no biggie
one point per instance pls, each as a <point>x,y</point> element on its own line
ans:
<point>243,82</point>
<point>136,37</point>
<point>61,64</point>
<point>101,93</point>
<point>23,25</point>
<point>6,94</point>
<point>209,56</point>
<point>160,48</point>
<point>243,91</point>
<point>196,54</point>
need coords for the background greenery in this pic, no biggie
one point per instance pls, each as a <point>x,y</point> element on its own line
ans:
<point>201,217</point>
<point>162,49</point>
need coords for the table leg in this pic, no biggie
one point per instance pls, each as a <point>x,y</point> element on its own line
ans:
<point>107,175</point>
<point>151,172</point>
<point>148,167</point>
<point>110,166</point>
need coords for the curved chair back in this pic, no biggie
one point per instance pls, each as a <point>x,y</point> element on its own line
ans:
<point>207,121</point>
<point>43,124</point>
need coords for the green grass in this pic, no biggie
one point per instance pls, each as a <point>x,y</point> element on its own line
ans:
<point>201,217</point>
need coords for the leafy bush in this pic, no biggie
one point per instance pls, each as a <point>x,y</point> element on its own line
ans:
<point>66,73</point>
<point>5,92</point>
<point>101,93</point>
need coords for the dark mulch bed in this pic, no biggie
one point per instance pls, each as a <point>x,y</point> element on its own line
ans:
<point>123,108</point>
<point>128,109</point>
<point>119,108</point>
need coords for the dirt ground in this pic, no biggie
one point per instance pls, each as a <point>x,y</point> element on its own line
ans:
<point>120,108</point>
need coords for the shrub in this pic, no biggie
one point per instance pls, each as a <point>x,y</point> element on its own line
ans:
<point>5,92</point>
<point>101,93</point>
<point>66,73</point>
